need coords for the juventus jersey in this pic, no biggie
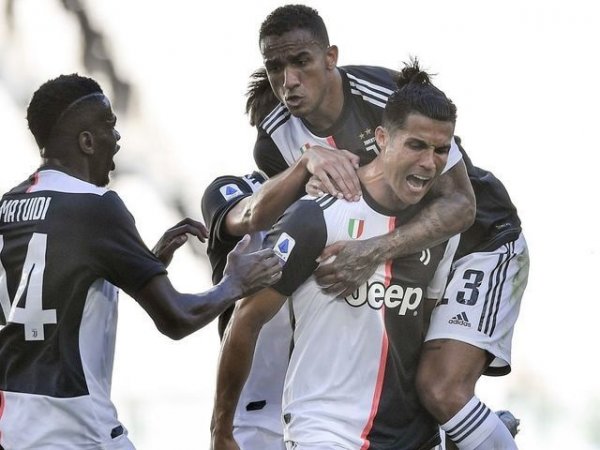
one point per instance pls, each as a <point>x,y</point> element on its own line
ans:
<point>260,401</point>
<point>282,138</point>
<point>351,376</point>
<point>65,245</point>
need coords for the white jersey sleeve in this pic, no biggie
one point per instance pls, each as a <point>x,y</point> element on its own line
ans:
<point>454,156</point>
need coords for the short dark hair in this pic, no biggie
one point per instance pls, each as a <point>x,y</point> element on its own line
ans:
<point>292,17</point>
<point>416,94</point>
<point>52,99</point>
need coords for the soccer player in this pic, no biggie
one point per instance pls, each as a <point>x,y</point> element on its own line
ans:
<point>320,103</point>
<point>66,244</point>
<point>302,103</point>
<point>233,207</point>
<point>227,206</point>
<point>472,326</point>
<point>350,380</point>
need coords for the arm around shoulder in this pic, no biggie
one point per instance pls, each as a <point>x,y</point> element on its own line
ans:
<point>449,210</point>
<point>455,194</point>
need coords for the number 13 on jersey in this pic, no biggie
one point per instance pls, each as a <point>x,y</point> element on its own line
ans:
<point>31,314</point>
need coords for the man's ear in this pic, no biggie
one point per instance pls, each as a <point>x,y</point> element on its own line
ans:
<point>86,142</point>
<point>382,137</point>
<point>331,57</point>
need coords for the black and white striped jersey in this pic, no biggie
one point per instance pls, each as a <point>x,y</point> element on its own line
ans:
<point>65,245</point>
<point>351,377</point>
<point>282,138</point>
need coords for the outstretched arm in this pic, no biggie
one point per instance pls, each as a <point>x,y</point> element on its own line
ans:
<point>177,315</point>
<point>261,210</point>
<point>450,211</point>
<point>235,360</point>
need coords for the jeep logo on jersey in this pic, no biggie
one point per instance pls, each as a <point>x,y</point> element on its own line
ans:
<point>376,295</point>
<point>230,191</point>
<point>284,246</point>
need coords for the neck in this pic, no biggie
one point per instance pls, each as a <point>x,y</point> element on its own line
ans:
<point>372,179</point>
<point>332,105</point>
<point>69,169</point>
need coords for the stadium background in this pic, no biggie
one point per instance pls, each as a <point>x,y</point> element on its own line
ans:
<point>524,76</point>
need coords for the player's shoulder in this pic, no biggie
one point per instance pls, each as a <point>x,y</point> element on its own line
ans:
<point>103,211</point>
<point>320,203</point>
<point>226,190</point>
<point>380,78</point>
<point>91,214</point>
<point>230,186</point>
<point>309,215</point>
<point>80,197</point>
<point>76,194</point>
<point>308,208</point>
<point>274,119</point>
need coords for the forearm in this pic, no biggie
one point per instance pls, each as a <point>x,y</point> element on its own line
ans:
<point>177,315</point>
<point>201,309</point>
<point>435,223</point>
<point>234,366</point>
<point>449,210</point>
<point>264,207</point>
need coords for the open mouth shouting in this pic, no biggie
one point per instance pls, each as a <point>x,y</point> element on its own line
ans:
<point>417,183</point>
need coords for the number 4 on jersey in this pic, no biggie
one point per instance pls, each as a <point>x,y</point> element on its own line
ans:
<point>31,315</point>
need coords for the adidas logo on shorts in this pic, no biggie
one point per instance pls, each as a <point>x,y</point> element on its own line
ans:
<point>460,319</point>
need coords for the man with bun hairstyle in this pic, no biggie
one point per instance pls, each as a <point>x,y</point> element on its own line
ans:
<point>350,380</point>
<point>312,102</point>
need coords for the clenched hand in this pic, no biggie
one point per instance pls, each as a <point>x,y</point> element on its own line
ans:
<point>345,266</point>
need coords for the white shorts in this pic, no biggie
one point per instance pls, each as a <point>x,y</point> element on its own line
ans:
<point>482,301</point>
<point>254,438</point>
<point>42,422</point>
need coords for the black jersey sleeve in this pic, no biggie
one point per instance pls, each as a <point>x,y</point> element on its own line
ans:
<point>267,156</point>
<point>298,239</point>
<point>121,256</point>
<point>496,219</point>
<point>218,199</point>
